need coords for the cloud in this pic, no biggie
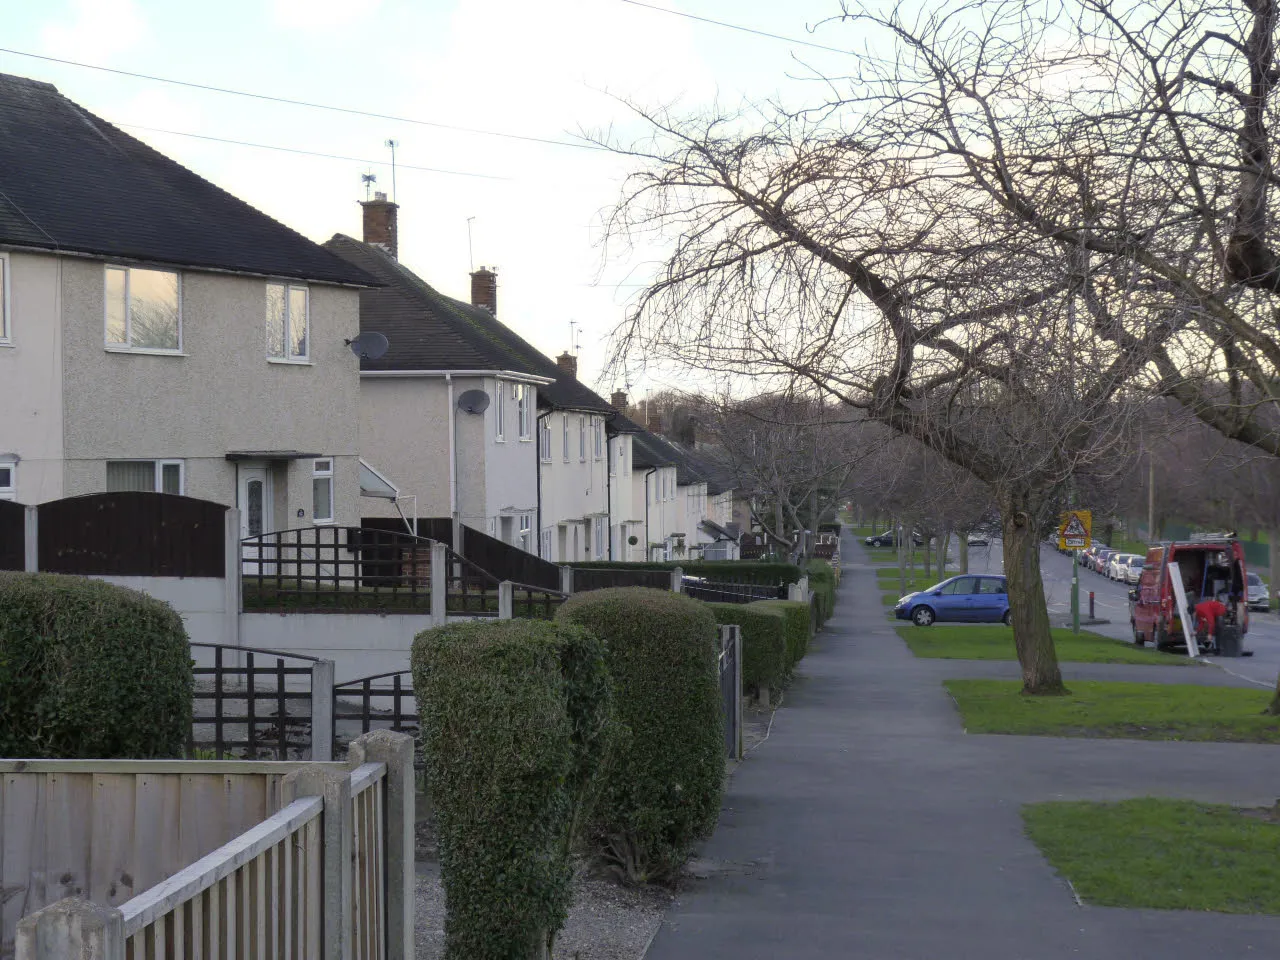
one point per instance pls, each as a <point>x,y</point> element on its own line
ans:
<point>322,15</point>
<point>95,30</point>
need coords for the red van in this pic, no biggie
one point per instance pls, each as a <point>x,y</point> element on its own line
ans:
<point>1209,567</point>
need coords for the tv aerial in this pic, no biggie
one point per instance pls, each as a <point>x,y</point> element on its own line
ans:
<point>369,346</point>
<point>473,401</point>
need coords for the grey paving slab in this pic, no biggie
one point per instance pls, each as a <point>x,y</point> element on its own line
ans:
<point>870,825</point>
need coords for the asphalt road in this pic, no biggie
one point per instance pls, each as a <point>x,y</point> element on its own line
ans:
<point>1111,602</point>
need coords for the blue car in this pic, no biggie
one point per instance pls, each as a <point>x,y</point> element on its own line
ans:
<point>963,599</point>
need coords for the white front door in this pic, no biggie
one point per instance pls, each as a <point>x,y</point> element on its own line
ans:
<point>255,517</point>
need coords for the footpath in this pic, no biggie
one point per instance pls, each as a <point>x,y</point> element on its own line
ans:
<point>869,825</point>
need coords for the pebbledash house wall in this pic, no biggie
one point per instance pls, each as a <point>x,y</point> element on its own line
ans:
<point>31,371</point>
<point>222,394</point>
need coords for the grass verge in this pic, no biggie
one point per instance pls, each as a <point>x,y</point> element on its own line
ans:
<point>1162,854</point>
<point>1137,711</point>
<point>995,642</point>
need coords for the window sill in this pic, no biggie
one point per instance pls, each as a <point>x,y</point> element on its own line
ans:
<point>143,351</point>
<point>526,439</point>
<point>290,363</point>
<point>322,523</point>
<point>545,459</point>
<point>6,342</point>
<point>499,439</point>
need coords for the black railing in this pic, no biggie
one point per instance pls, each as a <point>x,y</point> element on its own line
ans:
<point>383,701</point>
<point>535,603</point>
<point>251,704</point>
<point>468,588</point>
<point>322,569</point>
<point>720,592</point>
<point>601,578</point>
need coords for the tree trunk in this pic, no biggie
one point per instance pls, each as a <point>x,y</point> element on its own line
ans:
<point>902,561</point>
<point>928,555</point>
<point>1028,613</point>
<point>944,545</point>
<point>964,551</point>
<point>1273,558</point>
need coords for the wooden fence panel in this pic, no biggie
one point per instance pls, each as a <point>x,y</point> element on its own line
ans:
<point>507,562</point>
<point>133,534</point>
<point>13,544</point>
<point>601,578</point>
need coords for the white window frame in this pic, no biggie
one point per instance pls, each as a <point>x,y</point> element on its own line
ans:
<point>158,481</point>
<point>6,331</point>
<point>322,473</point>
<point>598,427</point>
<point>545,553</point>
<point>526,532</point>
<point>499,414</point>
<point>544,439</point>
<point>564,417</point>
<point>521,391</point>
<point>9,491</point>
<point>127,346</point>
<point>289,357</point>
<point>600,525</point>
<point>582,439</point>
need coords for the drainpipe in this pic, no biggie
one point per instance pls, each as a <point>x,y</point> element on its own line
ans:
<point>647,475</point>
<point>538,474</point>
<point>453,465</point>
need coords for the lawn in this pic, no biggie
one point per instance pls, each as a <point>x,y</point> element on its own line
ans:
<point>889,556</point>
<point>1138,711</point>
<point>1162,854</point>
<point>995,642</point>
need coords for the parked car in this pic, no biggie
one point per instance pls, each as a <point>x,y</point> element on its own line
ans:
<point>1086,557</point>
<point>963,599</point>
<point>1259,594</point>
<point>1209,568</point>
<point>888,539</point>
<point>1133,569</point>
<point>1117,565</point>
<point>979,540</point>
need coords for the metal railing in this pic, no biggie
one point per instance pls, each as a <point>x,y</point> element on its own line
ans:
<point>469,589</point>
<point>720,592</point>
<point>384,701</point>
<point>250,699</point>
<point>535,603</point>
<point>323,569</point>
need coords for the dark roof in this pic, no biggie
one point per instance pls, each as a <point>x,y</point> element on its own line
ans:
<point>429,331</point>
<point>73,182</point>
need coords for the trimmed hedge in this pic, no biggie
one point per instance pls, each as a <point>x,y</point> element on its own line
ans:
<point>798,626</point>
<point>764,644</point>
<point>661,786</point>
<point>725,571</point>
<point>822,582</point>
<point>515,717</point>
<point>90,670</point>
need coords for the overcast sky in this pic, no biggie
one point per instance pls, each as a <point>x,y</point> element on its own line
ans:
<point>547,70</point>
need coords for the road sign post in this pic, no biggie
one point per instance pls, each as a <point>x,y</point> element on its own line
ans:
<point>1075,533</point>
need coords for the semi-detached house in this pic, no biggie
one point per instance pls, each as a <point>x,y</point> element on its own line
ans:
<point>466,420</point>
<point>156,333</point>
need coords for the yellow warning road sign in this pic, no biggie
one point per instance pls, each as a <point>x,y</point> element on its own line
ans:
<point>1075,530</point>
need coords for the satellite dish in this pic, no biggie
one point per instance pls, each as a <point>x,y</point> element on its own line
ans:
<point>473,401</point>
<point>369,346</point>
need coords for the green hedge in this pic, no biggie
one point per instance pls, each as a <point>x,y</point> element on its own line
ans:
<point>90,670</point>
<point>798,628</point>
<point>822,582</point>
<point>662,783</point>
<point>725,571</point>
<point>764,644</point>
<point>515,717</point>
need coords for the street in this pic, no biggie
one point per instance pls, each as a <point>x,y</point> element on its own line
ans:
<point>1111,602</point>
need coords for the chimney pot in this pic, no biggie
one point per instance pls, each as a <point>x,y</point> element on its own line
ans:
<point>380,225</point>
<point>619,401</point>
<point>568,363</point>
<point>484,290</point>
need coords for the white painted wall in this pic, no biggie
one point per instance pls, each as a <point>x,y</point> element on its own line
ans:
<point>31,371</point>
<point>200,601</point>
<point>360,645</point>
<point>575,488</point>
<point>509,465</point>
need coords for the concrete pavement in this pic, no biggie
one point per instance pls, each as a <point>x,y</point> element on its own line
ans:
<point>869,825</point>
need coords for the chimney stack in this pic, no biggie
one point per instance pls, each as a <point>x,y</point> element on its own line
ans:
<point>380,223</point>
<point>619,401</point>
<point>484,290</point>
<point>568,363</point>
<point>655,422</point>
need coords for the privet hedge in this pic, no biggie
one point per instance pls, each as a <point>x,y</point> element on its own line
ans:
<point>90,670</point>
<point>822,582</point>
<point>764,644</point>
<point>515,718</point>
<point>798,626</point>
<point>662,783</point>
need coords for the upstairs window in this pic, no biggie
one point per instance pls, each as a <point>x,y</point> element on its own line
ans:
<point>564,419</point>
<point>288,323</point>
<point>143,310</point>
<point>598,426</point>
<point>8,480</point>
<point>544,440</point>
<point>500,412</point>
<point>582,439</point>
<point>522,409</point>
<point>4,298</point>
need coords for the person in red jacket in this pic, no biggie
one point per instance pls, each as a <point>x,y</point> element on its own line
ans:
<point>1207,613</point>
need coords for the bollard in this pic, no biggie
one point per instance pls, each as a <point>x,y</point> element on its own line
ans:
<point>1091,616</point>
